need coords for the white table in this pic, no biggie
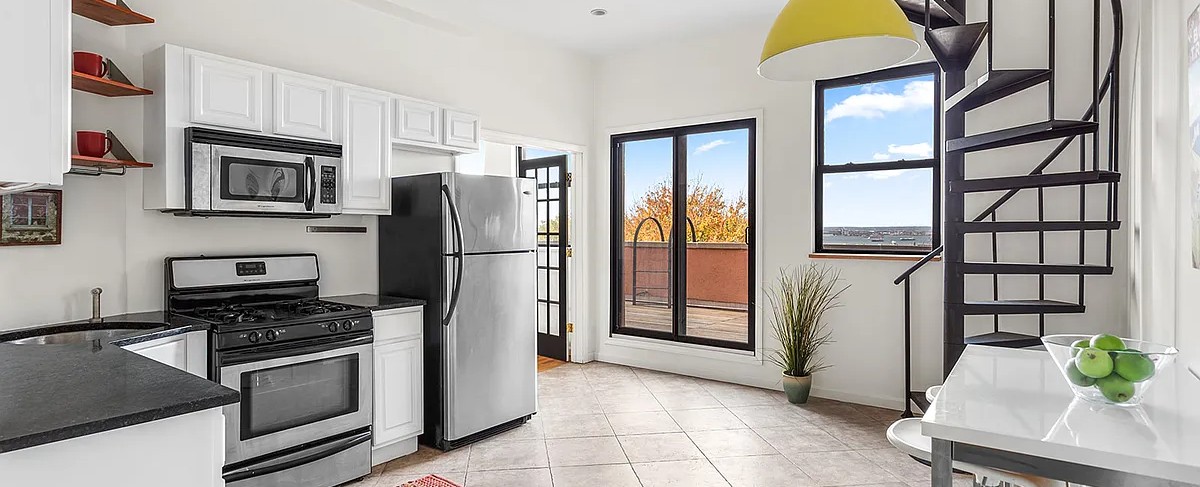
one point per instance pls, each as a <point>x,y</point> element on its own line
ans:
<point>1012,410</point>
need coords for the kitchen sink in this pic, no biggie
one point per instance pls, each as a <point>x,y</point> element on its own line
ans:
<point>117,330</point>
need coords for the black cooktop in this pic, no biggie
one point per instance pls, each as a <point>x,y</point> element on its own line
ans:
<point>272,313</point>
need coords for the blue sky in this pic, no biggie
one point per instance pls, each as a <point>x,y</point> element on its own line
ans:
<point>887,121</point>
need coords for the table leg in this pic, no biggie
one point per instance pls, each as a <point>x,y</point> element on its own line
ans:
<point>943,469</point>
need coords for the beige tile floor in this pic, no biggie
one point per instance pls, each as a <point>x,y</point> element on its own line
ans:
<point>605,425</point>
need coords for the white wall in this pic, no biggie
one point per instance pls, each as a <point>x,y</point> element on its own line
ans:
<point>109,241</point>
<point>716,75</point>
<point>1165,281</point>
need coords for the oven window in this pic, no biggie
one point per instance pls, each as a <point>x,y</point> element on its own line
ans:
<point>294,395</point>
<point>259,180</point>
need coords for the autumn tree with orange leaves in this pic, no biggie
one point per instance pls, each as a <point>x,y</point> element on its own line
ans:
<point>715,218</point>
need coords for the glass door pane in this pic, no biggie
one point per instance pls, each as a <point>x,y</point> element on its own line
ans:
<point>648,201</point>
<point>718,252</point>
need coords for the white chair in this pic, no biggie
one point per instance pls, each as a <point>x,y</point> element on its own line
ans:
<point>932,393</point>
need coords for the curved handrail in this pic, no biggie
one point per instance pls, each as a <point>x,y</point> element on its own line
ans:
<point>918,265</point>
<point>637,233</point>
<point>692,227</point>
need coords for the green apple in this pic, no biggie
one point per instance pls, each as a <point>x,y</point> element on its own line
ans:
<point>1108,343</point>
<point>1094,363</point>
<point>1133,367</point>
<point>1115,388</point>
<point>1078,346</point>
<point>1076,377</point>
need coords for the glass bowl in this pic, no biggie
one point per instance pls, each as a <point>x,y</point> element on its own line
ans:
<point>1120,378</point>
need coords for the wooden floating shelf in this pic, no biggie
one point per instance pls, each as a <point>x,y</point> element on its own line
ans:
<point>101,163</point>
<point>108,13</point>
<point>104,86</point>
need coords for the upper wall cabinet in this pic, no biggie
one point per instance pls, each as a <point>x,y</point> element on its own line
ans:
<point>366,151</point>
<point>417,121</point>
<point>303,107</point>
<point>226,94</point>
<point>35,96</point>
<point>461,130</point>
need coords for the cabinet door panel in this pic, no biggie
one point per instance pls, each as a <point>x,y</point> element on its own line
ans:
<point>398,391</point>
<point>303,107</point>
<point>367,152</point>
<point>35,98</point>
<point>417,121</point>
<point>226,94</point>
<point>461,130</point>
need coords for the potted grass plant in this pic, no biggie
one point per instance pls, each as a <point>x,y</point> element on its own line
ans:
<point>799,301</point>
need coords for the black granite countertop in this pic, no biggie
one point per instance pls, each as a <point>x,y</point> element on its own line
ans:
<point>376,302</point>
<point>51,393</point>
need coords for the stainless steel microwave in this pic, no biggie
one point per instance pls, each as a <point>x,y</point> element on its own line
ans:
<point>233,174</point>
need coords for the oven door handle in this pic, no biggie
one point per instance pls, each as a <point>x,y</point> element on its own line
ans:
<point>286,463</point>
<point>310,167</point>
<point>260,355</point>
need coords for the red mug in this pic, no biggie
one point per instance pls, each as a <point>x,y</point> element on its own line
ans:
<point>92,144</point>
<point>90,63</point>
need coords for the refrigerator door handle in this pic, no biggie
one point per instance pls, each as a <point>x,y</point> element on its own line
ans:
<point>458,255</point>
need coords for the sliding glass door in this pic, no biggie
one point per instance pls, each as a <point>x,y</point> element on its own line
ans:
<point>692,281</point>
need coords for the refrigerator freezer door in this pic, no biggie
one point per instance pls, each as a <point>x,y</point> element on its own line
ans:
<point>498,213</point>
<point>491,345</point>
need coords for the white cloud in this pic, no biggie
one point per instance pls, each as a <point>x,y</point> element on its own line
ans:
<point>920,151</point>
<point>881,175</point>
<point>879,156</point>
<point>875,104</point>
<point>711,145</point>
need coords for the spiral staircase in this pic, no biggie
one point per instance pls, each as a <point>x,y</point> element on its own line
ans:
<point>956,43</point>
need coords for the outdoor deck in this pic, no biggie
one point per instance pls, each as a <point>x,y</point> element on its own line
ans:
<point>717,324</point>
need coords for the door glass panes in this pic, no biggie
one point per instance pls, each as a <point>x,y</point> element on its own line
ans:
<point>646,261</point>
<point>548,170</point>
<point>718,253</point>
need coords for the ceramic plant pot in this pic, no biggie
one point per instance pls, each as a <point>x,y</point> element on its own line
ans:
<point>797,388</point>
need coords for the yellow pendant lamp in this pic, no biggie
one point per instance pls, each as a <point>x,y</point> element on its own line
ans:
<point>817,39</point>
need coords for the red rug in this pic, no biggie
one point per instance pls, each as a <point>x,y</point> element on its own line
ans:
<point>430,481</point>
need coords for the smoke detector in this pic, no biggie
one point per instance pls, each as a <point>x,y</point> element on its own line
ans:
<point>599,12</point>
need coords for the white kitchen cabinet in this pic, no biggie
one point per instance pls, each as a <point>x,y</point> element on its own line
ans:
<point>303,106</point>
<point>418,121</point>
<point>399,383</point>
<point>226,93</point>
<point>35,123</point>
<point>461,130</point>
<point>187,352</point>
<point>366,152</point>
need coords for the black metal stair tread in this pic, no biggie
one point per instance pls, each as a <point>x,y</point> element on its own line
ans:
<point>1025,134</point>
<point>1034,269</point>
<point>940,14</point>
<point>1034,181</point>
<point>955,46</point>
<point>1035,226</point>
<point>996,85</point>
<point>1019,307</point>
<point>920,399</point>
<point>1004,339</point>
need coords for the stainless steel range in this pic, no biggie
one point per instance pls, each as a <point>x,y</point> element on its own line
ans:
<point>303,367</point>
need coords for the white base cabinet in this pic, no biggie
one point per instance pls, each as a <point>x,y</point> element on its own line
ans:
<point>399,382</point>
<point>187,352</point>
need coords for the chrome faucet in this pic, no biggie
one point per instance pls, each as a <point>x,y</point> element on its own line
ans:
<point>96,305</point>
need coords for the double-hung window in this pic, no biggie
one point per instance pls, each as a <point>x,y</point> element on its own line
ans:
<point>878,162</point>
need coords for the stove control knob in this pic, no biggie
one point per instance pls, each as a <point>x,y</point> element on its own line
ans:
<point>347,325</point>
<point>254,337</point>
<point>333,327</point>
<point>271,335</point>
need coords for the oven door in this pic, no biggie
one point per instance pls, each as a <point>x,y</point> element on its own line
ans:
<point>262,181</point>
<point>294,394</point>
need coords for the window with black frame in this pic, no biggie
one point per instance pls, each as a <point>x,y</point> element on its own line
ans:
<point>878,162</point>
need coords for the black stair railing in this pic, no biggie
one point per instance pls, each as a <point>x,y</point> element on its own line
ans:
<point>661,237</point>
<point>954,43</point>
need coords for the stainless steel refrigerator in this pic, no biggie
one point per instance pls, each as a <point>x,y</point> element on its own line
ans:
<point>467,246</point>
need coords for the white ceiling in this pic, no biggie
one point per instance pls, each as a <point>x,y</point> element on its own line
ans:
<point>568,24</point>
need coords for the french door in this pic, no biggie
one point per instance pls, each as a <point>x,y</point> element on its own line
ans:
<point>552,176</point>
<point>682,234</point>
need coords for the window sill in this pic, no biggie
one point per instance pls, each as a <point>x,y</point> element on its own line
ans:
<point>879,257</point>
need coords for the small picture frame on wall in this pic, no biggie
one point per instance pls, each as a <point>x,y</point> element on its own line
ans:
<point>31,218</point>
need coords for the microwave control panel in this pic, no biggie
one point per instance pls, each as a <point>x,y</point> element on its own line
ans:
<point>328,185</point>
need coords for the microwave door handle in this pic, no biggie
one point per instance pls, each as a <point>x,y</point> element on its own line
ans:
<point>286,463</point>
<point>458,255</point>
<point>310,167</point>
